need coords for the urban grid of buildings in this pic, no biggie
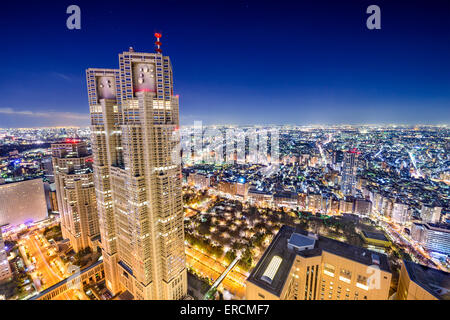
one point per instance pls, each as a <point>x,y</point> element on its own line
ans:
<point>116,191</point>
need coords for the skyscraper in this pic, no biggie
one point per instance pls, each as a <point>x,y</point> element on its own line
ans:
<point>75,193</point>
<point>134,124</point>
<point>349,172</point>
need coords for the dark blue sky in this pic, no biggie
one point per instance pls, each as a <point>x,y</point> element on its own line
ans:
<point>242,62</point>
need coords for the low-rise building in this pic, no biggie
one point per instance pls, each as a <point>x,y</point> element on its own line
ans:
<point>418,282</point>
<point>298,265</point>
<point>433,237</point>
<point>259,197</point>
<point>5,269</point>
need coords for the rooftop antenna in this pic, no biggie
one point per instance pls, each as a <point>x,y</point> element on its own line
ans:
<point>158,43</point>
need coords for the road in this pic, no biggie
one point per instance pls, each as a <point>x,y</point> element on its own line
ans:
<point>48,269</point>
<point>212,268</point>
<point>418,254</point>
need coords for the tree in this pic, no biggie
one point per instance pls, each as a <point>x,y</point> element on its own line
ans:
<point>230,256</point>
<point>246,260</point>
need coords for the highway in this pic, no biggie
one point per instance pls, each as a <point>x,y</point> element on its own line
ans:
<point>49,268</point>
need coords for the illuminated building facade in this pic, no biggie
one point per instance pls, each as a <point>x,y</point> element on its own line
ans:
<point>349,167</point>
<point>199,180</point>
<point>5,270</point>
<point>14,210</point>
<point>301,266</point>
<point>363,206</point>
<point>429,213</point>
<point>75,193</point>
<point>433,237</point>
<point>400,213</point>
<point>134,124</point>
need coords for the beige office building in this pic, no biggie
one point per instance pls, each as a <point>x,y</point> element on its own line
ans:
<point>418,282</point>
<point>75,193</point>
<point>134,124</point>
<point>302,266</point>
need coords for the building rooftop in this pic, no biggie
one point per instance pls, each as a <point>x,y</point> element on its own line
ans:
<point>440,227</point>
<point>436,282</point>
<point>126,295</point>
<point>375,235</point>
<point>299,241</point>
<point>282,265</point>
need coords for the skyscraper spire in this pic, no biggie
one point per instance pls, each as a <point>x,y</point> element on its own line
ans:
<point>157,42</point>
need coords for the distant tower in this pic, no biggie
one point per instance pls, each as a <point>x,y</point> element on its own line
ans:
<point>349,168</point>
<point>134,124</point>
<point>75,193</point>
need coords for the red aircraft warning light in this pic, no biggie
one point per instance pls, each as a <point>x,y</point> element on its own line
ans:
<point>158,43</point>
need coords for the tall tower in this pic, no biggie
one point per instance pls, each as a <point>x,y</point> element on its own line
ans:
<point>349,168</point>
<point>135,121</point>
<point>75,193</point>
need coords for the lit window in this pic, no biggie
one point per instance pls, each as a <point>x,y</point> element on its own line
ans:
<point>328,269</point>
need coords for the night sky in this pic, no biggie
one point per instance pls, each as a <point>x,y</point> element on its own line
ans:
<point>236,62</point>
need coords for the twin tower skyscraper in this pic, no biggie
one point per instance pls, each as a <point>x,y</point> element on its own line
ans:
<point>134,125</point>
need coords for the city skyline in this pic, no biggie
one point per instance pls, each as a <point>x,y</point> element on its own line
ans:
<point>333,71</point>
<point>218,150</point>
<point>233,209</point>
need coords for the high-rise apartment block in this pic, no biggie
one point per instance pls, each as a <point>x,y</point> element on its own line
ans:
<point>298,265</point>
<point>75,193</point>
<point>135,126</point>
<point>400,212</point>
<point>363,206</point>
<point>430,213</point>
<point>349,167</point>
